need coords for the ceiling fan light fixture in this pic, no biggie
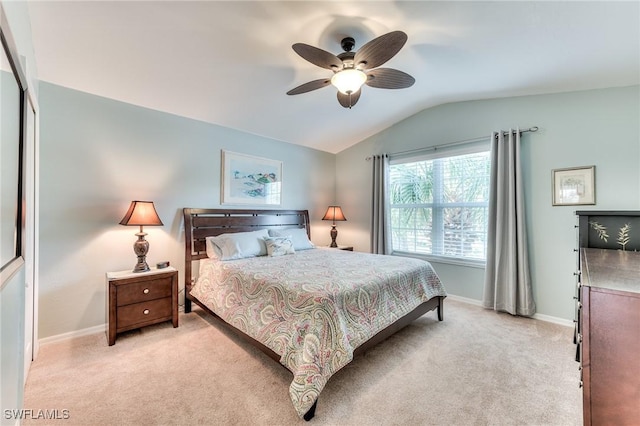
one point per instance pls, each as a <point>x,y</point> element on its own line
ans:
<point>349,80</point>
<point>353,69</point>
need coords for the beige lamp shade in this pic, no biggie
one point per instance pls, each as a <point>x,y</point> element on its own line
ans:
<point>141,213</point>
<point>334,213</point>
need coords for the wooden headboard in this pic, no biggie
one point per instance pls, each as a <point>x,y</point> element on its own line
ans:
<point>202,223</point>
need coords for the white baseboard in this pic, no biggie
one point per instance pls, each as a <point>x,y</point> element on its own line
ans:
<point>73,334</point>
<point>102,328</point>
<point>464,300</point>
<point>541,317</point>
<point>555,320</point>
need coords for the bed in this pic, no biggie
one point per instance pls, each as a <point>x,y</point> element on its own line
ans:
<point>310,309</point>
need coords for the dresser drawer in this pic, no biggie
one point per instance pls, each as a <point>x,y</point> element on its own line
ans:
<point>138,313</point>
<point>144,291</point>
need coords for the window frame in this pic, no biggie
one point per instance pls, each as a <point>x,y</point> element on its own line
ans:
<point>434,153</point>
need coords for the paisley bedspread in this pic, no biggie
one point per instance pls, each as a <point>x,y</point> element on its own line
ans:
<point>316,306</point>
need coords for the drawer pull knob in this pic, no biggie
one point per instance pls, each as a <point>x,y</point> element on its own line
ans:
<point>146,312</point>
<point>145,291</point>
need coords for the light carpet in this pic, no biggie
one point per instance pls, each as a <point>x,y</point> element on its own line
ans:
<point>477,367</point>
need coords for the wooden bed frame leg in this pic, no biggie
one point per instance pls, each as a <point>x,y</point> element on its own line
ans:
<point>441,310</point>
<point>187,305</point>
<point>312,412</point>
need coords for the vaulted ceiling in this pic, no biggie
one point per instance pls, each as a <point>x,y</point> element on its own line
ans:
<point>231,62</point>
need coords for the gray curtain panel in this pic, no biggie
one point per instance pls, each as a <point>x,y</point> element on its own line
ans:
<point>507,284</point>
<point>380,237</point>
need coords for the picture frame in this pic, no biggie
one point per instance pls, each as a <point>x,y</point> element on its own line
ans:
<point>250,180</point>
<point>574,186</point>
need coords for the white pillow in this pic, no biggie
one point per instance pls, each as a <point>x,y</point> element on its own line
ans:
<point>213,251</point>
<point>279,246</point>
<point>237,245</point>
<point>298,237</point>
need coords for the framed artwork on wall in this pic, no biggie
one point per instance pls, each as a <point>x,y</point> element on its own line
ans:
<point>574,186</point>
<point>247,179</point>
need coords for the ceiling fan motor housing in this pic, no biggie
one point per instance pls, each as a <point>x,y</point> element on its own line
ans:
<point>348,43</point>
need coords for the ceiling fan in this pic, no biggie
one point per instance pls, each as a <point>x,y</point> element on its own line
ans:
<point>353,69</point>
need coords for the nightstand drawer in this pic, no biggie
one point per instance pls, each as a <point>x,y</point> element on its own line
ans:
<point>144,291</point>
<point>143,312</point>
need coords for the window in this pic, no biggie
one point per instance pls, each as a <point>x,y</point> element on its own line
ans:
<point>438,204</point>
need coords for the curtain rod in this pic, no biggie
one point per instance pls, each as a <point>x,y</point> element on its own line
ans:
<point>437,147</point>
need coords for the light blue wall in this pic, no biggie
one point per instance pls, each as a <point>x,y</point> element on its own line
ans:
<point>98,154</point>
<point>597,127</point>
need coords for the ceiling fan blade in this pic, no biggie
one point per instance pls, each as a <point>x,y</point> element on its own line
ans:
<point>388,78</point>
<point>318,57</point>
<point>348,101</point>
<point>379,50</point>
<point>312,85</point>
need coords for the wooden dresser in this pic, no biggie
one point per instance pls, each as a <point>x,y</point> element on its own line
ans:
<point>608,332</point>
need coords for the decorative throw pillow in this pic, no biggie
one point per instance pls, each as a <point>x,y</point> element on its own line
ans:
<point>298,237</point>
<point>279,246</point>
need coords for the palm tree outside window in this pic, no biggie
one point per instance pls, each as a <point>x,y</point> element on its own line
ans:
<point>438,204</point>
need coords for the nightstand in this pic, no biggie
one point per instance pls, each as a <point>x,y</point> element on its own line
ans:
<point>348,248</point>
<point>139,299</point>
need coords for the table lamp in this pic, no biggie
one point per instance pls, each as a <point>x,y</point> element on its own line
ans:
<point>141,213</point>
<point>334,213</point>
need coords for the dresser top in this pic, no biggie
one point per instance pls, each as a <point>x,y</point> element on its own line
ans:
<point>611,269</point>
<point>130,274</point>
<point>608,212</point>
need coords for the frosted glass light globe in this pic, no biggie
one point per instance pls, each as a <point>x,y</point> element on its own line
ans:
<point>349,80</point>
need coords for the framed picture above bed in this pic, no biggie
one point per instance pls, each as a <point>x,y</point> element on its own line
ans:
<point>250,180</point>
